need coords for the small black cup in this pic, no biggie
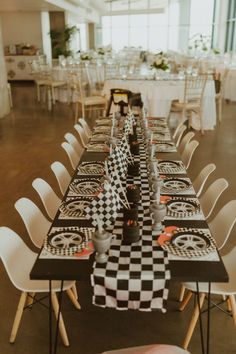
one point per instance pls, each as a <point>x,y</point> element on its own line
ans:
<point>133,169</point>
<point>133,194</point>
<point>131,233</point>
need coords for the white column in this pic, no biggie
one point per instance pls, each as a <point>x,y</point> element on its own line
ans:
<point>45,25</point>
<point>4,96</point>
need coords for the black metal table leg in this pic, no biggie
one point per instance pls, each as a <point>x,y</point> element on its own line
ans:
<point>50,317</point>
<point>208,317</point>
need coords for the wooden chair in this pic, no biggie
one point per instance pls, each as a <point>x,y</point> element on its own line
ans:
<point>193,98</point>
<point>88,103</point>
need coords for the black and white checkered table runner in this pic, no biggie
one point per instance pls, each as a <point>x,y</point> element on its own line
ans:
<point>135,276</point>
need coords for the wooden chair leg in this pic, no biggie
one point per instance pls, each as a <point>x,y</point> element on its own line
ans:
<point>185,301</point>
<point>30,299</point>
<point>76,112</point>
<point>74,301</point>
<point>229,307</point>
<point>18,316</point>
<point>62,328</point>
<point>74,290</point>
<point>233,307</point>
<point>193,321</point>
<point>38,92</point>
<point>181,295</point>
<point>220,110</point>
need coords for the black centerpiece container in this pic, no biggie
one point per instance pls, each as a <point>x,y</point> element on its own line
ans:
<point>131,232</point>
<point>133,193</point>
<point>132,137</point>
<point>131,214</point>
<point>134,147</point>
<point>133,169</point>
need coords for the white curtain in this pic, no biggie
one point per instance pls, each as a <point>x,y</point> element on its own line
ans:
<point>4,97</point>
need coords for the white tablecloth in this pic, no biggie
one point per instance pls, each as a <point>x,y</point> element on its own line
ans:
<point>157,96</point>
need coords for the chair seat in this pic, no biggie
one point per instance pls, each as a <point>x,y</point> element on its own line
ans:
<point>150,349</point>
<point>93,100</point>
<point>188,106</point>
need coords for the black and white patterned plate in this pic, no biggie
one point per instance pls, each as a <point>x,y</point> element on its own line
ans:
<point>87,187</point>
<point>99,137</point>
<point>75,207</point>
<point>190,242</point>
<point>182,207</point>
<point>165,147</point>
<point>175,185</point>
<point>91,168</point>
<point>66,242</point>
<point>97,147</point>
<point>167,166</point>
<point>103,122</point>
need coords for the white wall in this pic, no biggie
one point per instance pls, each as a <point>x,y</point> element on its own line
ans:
<point>47,48</point>
<point>4,98</point>
<point>22,27</point>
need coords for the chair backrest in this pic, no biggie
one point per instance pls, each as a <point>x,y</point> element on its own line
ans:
<point>62,175</point>
<point>149,349</point>
<point>48,197</point>
<point>35,222</point>
<point>82,136</point>
<point>186,139</point>
<point>179,134</point>
<point>71,153</point>
<point>201,179</point>
<point>84,125</point>
<point>188,152</point>
<point>71,139</point>
<point>223,223</point>
<point>209,198</point>
<point>16,257</point>
<point>194,88</point>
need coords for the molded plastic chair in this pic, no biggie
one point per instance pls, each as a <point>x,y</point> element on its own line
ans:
<point>48,197</point>
<point>150,349</point>
<point>37,227</point>
<point>62,175</point>
<point>82,136</point>
<point>71,153</point>
<point>181,124</point>
<point>220,227</point>
<point>223,289</point>
<point>186,139</point>
<point>188,152</point>
<point>209,198</point>
<point>71,139</point>
<point>179,135</point>
<point>18,260</point>
<point>201,179</point>
<point>85,126</point>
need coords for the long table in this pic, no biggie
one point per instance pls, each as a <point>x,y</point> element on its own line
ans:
<point>81,270</point>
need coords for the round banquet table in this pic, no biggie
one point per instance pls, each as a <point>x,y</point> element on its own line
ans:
<point>158,94</point>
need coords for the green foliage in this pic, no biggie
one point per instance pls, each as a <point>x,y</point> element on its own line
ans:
<point>60,41</point>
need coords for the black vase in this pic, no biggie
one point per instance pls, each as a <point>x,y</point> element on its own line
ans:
<point>132,137</point>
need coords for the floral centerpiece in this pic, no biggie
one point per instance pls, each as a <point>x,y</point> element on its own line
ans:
<point>85,56</point>
<point>160,62</point>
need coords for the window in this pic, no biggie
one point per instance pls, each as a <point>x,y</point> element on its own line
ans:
<point>230,43</point>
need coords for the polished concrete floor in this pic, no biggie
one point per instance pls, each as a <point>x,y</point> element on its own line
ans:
<point>30,139</point>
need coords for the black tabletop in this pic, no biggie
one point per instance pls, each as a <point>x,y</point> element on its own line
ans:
<point>67,269</point>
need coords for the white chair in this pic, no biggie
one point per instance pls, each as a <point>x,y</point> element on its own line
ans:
<point>9,94</point>
<point>62,175</point>
<point>71,153</point>
<point>48,197</point>
<point>188,152</point>
<point>201,179</point>
<point>220,227</point>
<point>18,261</point>
<point>181,124</point>
<point>223,289</point>
<point>149,349</point>
<point>82,136</point>
<point>186,139</point>
<point>209,199</point>
<point>179,134</point>
<point>37,227</point>
<point>85,125</point>
<point>71,139</point>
